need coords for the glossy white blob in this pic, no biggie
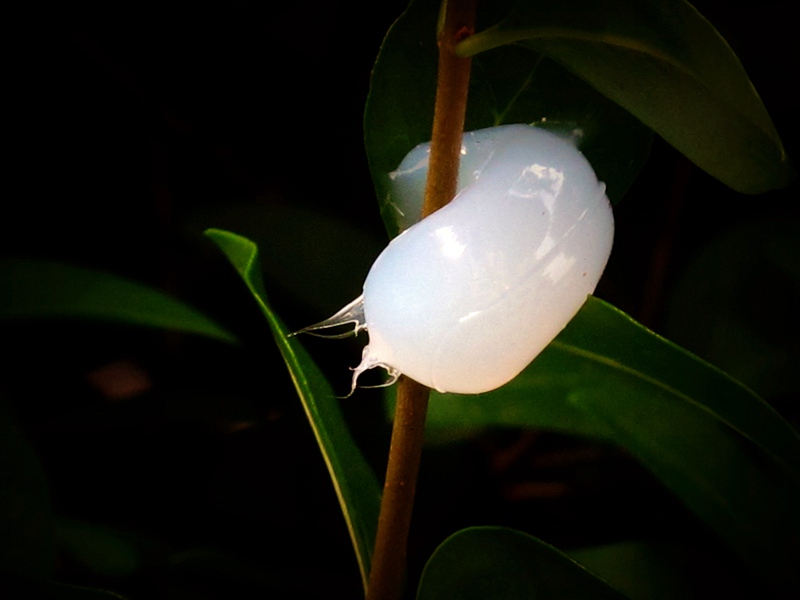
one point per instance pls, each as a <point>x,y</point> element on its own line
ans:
<point>466,298</point>
<point>407,189</point>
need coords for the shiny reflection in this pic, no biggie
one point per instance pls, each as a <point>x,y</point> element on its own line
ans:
<point>560,266</point>
<point>539,182</point>
<point>448,241</point>
<point>469,315</point>
<point>547,244</point>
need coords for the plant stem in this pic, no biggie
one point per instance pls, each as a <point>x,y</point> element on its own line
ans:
<point>387,575</point>
<point>450,110</point>
<point>386,578</point>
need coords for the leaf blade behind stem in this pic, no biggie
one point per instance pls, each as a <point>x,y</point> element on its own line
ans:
<point>509,85</point>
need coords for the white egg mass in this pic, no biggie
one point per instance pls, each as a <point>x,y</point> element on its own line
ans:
<point>465,299</point>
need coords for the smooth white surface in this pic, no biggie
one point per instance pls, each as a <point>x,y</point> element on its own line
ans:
<point>407,188</point>
<point>465,299</point>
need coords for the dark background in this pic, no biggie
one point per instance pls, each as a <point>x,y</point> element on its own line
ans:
<point>136,125</point>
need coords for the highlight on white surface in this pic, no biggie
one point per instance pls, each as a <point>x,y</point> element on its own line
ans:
<point>465,299</point>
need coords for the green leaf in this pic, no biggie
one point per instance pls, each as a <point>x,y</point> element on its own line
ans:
<point>494,563</point>
<point>101,550</point>
<point>667,65</point>
<point>26,521</point>
<point>330,256</point>
<point>736,305</point>
<point>650,571</point>
<point>41,589</point>
<point>42,289</point>
<point>731,458</point>
<point>510,85</point>
<point>355,483</point>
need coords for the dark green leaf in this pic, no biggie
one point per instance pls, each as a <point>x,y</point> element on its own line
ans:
<point>736,305</point>
<point>26,519</point>
<point>36,289</point>
<point>494,563</point>
<point>669,67</point>
<point>330,256</point>
<point>511,85</point>
<point>101,550</point>
<point>355,484</point>
<point>41,589</point>
<point>600,342</point>
<point>717,445</point>
<point>515,85</point>
<point>650,571</point>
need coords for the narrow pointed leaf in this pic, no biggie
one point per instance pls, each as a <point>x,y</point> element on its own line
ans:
<point>504,564</point>
<point>666,64</point>
<point>43,289</point>
<point>719,447</point>
<point>354,482</point>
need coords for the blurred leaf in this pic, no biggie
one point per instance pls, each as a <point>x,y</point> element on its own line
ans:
<point>101,550</point>
<point>40,589</point>
<point>496,563</point>
<point>736,305</point>
<point>667,65</point>
<point>40,289</point>
<point>718,446</point>
<point>515,85</point>
<point>511,85</point>
<point>26,519</point>
<point>355,484</point>
<point>330,256</point>
<point>647,571</point>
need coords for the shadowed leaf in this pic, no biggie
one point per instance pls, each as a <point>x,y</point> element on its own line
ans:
<point>731,458</point>
<point>353,480</point>
<point>666,64</point>
<point>498,563</point>
<point>511,85</point>
<point>42,289</point>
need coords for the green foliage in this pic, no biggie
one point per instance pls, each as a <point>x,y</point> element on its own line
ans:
<point>26,520</point>
<point>42,289</point>
<point>667,65</point>
<point>609,73</point>
<point>503,564</point>
<point>341,249</point>
<point>609,377</point>
<point>730,304</point>
<point>511,85</point>
<point>600,350</point>
<point>103,551</point>
<point>718,446</point>
<point>663,63</point>
<point>51,590</point>
<point>647,571</point>
<point>355,484</point>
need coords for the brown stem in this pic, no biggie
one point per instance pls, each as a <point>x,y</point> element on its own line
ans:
<point>451,106</point>
<point>387,575</point>
<point>386,578</point>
